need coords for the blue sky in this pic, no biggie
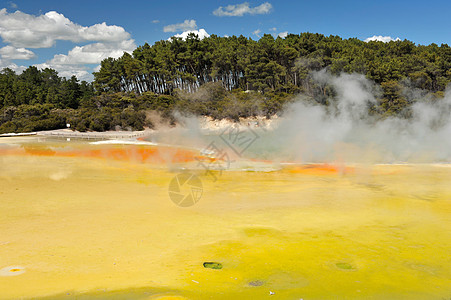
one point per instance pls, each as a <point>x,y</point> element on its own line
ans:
<point>73,40</point>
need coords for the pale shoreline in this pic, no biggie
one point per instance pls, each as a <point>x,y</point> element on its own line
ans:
<point>205,123</point>
<point>68,133</point>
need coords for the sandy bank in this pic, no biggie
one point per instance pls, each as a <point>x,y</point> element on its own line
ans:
<point>210,124</point>
<point>207,124</point>
<point>17,134</point>
<point>67,133</point>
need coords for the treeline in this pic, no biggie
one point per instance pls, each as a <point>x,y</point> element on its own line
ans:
<point>271,64</point>
<point>130,111</point>
<point>221,77</point>
<point>35,86</point>
<point>41,100</point>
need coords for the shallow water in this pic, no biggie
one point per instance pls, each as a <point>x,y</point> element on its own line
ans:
<point>96,221</point>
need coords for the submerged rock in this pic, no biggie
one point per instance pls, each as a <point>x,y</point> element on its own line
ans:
<point>212,265</point>
<point>256,283</point>
<point>344,266</point>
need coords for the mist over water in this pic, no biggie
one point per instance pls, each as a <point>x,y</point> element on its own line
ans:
<point>344,131</point>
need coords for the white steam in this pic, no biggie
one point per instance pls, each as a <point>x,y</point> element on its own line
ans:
<point>344,130</point>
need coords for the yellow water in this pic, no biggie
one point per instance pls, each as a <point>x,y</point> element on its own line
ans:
<point>77,227</point>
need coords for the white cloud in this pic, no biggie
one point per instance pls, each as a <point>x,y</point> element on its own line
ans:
<point>381,38</point>
<point>201,33</point>
<point>257,32</point>
<point>273,29</point>
<point>73,63</point>
<point>23,30</point>
<point>185,26</point>
<point>4,63</point>
<point>12,4</point>
<point>155,21</point>
<point>239,10</point>
<point>97,69</point>
<point>10,52</point>
<point>80,71</point>
<point>93,53</point>
<point>283,34</point>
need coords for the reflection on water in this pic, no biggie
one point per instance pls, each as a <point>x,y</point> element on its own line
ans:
<point>96,221</point>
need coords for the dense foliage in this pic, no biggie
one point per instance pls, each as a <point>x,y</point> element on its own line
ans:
<point>270,64</point>
<point>222,77</point>
<point>41,100</point>
<point>35,86</point>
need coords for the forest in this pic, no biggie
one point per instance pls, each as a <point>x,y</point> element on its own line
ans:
<point>221,77</point>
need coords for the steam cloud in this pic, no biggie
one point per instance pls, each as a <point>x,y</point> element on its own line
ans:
<point>345,131</point>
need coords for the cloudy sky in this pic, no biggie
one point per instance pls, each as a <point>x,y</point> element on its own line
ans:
<point>74,36</point>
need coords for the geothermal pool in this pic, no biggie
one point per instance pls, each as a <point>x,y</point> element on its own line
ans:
<point>82,220</point>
